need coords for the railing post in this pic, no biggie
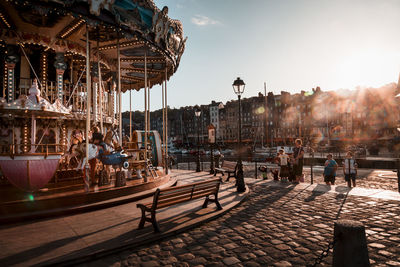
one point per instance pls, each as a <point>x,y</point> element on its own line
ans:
<point>255,168</point>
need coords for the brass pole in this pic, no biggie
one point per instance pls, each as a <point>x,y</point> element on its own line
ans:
<point>163,133</point>
<point>88,100</point>
<point>145,107</point>
<point>100,89</point>
<point>166,115</point>
<point>130,114</point>
<point>119,93</point>
<point>148,108</point>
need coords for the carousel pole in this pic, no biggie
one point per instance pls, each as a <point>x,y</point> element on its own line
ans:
<point>163,133</point>
<point>130,115</point>
<point>71,75</point>
<point>33,133</point>
<point>88,99</point>
<point>100,89</point>
<point>145,107</point>
<point>119,92</point>
<point>148,107</point>
<point>166,116</point>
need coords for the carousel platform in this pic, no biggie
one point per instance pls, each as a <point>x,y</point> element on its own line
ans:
<point>87,237</point>
<point>69,197</point>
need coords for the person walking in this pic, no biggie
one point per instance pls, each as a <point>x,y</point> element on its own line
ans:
<point>298,160</point>
<point>330,170</point>
<point>350,169</point>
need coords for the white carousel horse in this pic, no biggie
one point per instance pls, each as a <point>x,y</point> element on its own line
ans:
<point>93,153</point>
<point>118,159</point>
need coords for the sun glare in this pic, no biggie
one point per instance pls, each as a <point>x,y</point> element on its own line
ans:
<point>368,68</point>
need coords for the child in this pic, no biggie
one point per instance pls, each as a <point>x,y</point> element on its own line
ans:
<point>330,170</point>
<point>350,169</point>
<point>283,163</point>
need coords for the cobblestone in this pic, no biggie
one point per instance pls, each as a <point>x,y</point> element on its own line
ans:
<point>277,226</point>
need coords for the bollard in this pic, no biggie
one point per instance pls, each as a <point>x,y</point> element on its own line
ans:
<point>312,161</point>
<point>255,167</point>
<point>350,248</point>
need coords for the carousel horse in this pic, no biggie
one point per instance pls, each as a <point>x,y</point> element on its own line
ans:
<point>71,158</point>
<point>117,159</point>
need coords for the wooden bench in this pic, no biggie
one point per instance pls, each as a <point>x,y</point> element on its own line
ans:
<point>228,167</point>
<point>168,197</point>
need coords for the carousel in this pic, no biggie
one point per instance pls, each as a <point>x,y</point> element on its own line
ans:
<point>66,65</point>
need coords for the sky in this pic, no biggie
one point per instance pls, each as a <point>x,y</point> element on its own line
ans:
<point>291,45</point>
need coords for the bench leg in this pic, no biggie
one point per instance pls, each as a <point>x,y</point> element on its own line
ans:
<point>215,200</point>
<point>143,219</point>
<point>205,204</point>
<point>219,207</point>
<point>154,222</point>
<point>229,176</point>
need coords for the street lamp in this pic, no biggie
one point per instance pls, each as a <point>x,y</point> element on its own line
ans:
<point>238,87</point>
<point>198,113</point>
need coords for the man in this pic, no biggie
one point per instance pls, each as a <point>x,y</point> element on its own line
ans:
<point>298,158</point>
<point>330,170</point>
<point>350,169</point>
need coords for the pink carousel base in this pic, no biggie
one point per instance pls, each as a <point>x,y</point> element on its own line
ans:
<point>29,172</point>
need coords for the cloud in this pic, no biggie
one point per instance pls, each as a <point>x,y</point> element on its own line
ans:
<point>201,20</point>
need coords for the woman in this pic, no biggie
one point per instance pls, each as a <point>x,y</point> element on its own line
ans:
<point>298,155</point>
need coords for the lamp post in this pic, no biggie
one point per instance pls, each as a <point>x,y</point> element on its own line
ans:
<point>198,113</point>
<point>238,87</point>
<point>211,141</point>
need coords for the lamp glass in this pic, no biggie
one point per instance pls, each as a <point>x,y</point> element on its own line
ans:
<point>238,86</point>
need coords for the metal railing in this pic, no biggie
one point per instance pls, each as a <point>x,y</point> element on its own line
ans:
<point>13,150</point>
<point>74,96</point>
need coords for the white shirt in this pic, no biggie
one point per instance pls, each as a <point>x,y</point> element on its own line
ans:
<point>283,159</point>
<point>350,166</point>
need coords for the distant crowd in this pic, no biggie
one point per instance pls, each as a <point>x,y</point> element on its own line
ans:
<point>291,167</point>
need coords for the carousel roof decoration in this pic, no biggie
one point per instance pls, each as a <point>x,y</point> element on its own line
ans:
<point>34,104</point>
<point>138,25</point>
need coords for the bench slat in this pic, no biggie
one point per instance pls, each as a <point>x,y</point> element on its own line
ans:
<point>215,180</point>
<point>175,195</point>
<point>228,166</point>
<point>164,195</point>
<point>189,196</point>
<point>171,203</point>
<point>188,190</point>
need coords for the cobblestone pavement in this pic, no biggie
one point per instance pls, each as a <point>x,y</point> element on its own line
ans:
<point>275,226</point>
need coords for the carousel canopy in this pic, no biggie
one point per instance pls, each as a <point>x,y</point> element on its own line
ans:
<point>138,27</point>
